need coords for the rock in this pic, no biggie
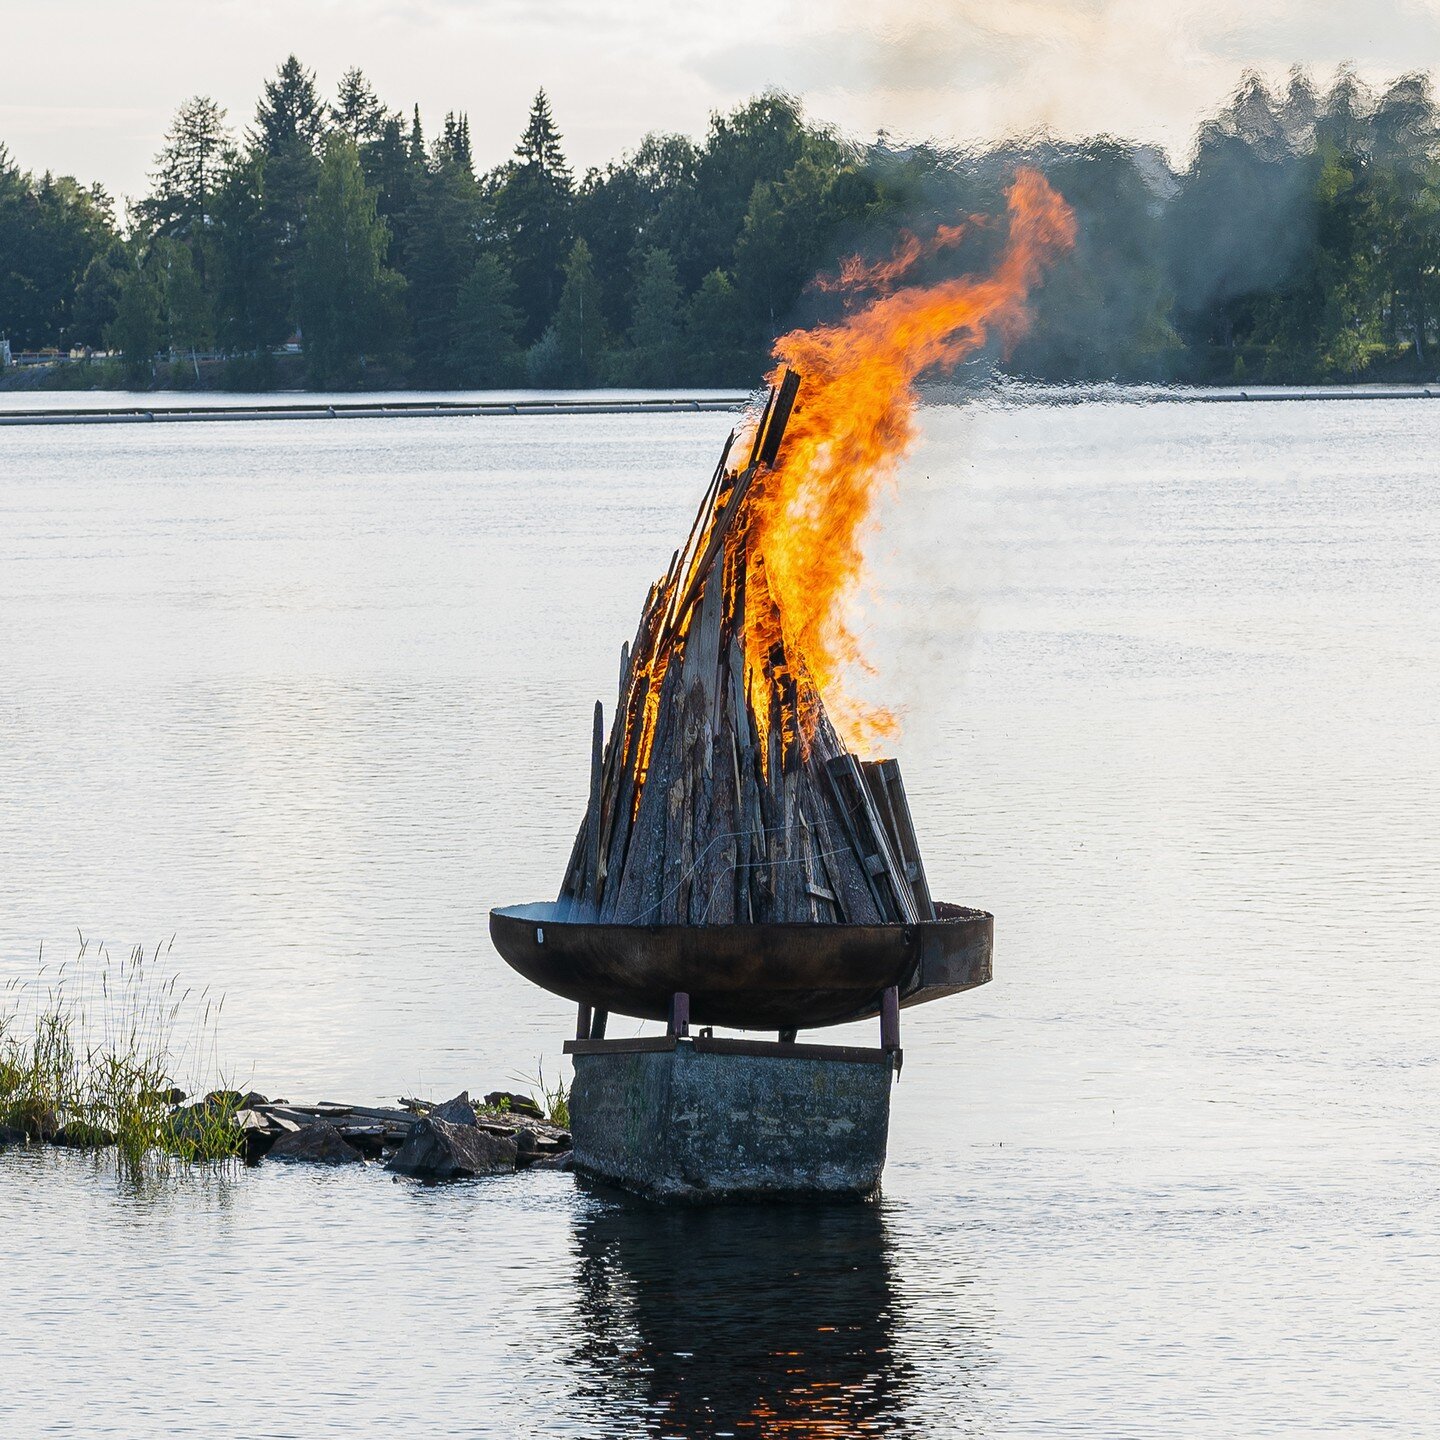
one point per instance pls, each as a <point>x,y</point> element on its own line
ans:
<point>34,1121</point>
<point>369,1140</point>
<point>214,1127</point>
<point>532,1148</point>
<point>565,1160</point>
<point>458,1111</point>
<point>81,1135</point>
<point>515,1104</point>
<point>252,1100</point>
<point>318,1144</point>
<point>11,1135</point>
<point>438,1150</point>
<point>258,1134</point>
<point>172,1097</point>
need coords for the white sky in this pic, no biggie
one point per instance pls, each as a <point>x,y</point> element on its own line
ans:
<point>88,87</point>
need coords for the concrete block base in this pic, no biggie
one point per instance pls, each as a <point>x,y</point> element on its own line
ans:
<point>708,1120</point>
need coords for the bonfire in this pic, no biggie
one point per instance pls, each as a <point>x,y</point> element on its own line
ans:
<point>731,787</point>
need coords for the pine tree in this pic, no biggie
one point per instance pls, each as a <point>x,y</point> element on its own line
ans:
<point>349,300</point>
<point>533,213</point>
<point>487,323</point>
<point>656,350</point>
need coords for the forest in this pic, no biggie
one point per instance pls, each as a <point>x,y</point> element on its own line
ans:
<point>1300,242</point>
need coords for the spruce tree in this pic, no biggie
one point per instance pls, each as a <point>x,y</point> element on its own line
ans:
<point>656,351</point>
<point>349,300</point>
<point>717,340</point>
<point>443,229</point>
<point>454,142</point>
<point>187,170</point>
<point>396,176</point>
<point>533,207</point>
<point>487,323</point>
<point>289,126</point>
<point>290,114</point>
<point>251,310</point>
<point>357,110</point>
<point>98,295</point>
<point>572,352</point>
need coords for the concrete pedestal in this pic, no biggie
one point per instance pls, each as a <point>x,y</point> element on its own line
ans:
<point>709,1120</point>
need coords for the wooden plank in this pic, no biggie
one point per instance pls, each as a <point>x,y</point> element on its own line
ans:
<point>590,893</point>
<point>762,426</point>
<point>846,810</point>
<point>636,1045</point>
<point>874,840</point>
<point>907,843</point>
<point>768,445</point>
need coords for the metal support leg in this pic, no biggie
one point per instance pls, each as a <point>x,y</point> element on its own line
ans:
<point>679,1013</point>
<point>597,1025</point>
<point>582,1023</point>
<point>890,1019</point>
<point>787,1037</point>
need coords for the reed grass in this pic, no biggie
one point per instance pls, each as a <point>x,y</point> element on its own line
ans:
<point>554,1099</point>
<point>89,1052</point>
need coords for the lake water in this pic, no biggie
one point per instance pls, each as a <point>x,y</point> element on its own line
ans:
<point>310,698</point>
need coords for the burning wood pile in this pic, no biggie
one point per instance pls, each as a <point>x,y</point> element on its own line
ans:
<point>724,793</point>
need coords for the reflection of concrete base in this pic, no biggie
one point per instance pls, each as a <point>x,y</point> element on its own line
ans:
<point>708,1120</point>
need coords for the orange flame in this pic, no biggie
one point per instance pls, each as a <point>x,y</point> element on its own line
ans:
<point>854,421</point>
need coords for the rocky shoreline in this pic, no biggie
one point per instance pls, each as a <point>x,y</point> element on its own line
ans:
<point>431,1141</point>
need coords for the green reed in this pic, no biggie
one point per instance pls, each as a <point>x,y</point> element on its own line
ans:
<point>88,1054</point>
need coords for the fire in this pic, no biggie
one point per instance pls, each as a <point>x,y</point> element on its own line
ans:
<point>806,519</point>
<point>787,536</point>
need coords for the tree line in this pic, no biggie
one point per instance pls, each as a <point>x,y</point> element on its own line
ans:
<point>1300,242</point>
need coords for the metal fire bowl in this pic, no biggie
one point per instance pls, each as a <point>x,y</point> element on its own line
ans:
<point>746,977</point>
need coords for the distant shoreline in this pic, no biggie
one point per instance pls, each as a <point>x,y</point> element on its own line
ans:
<point>174,406</point>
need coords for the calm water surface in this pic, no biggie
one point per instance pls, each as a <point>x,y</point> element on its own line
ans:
<point>311,698</point>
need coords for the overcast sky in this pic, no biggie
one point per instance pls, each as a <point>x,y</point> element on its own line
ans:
<point>89,86</point>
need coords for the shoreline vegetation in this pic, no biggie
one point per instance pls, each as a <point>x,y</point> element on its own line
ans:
<point>335,245</point>
<point>89,1049</point>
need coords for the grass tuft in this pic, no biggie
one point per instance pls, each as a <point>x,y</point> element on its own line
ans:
<point>554,1099</point>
